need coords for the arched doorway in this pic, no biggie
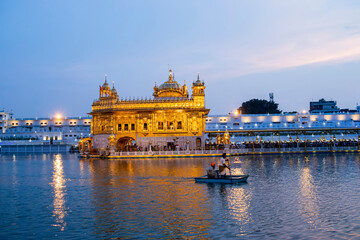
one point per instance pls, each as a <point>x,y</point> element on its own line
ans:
<point>85,145</point>
<point>198,143</point>
<point>126,144</point>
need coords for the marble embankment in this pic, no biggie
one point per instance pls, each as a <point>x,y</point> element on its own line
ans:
<point>218,153</point>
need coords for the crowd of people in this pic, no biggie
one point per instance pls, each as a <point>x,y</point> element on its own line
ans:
<point>249,144</point>
<point>301,144</point>
<point>154,148</point>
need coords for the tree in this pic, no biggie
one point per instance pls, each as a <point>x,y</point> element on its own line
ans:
<point>259,106</point>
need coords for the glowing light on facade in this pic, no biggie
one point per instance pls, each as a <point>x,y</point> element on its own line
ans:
<point>170,113</point>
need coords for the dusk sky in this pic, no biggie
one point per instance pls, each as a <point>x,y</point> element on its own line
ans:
<point>54,54</point>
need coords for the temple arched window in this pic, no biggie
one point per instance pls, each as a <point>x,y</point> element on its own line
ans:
<point>170,125</point>
<point>160,125</point>
<point>145,126</point>
<point>119,127</point>
<point>179,125</point>
<point>126,127</point>
<point>132,127</point>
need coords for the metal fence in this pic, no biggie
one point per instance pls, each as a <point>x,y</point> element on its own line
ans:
<point>35,148</point>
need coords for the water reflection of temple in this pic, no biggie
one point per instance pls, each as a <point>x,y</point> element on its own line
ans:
<point>174,206</point>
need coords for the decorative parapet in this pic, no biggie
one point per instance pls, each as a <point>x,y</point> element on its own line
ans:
<point>145,104</point>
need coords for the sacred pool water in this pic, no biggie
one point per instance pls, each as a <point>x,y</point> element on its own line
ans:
<point>286,197</point>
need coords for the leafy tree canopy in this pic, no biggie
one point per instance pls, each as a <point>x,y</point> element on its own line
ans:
<point>259,106</point>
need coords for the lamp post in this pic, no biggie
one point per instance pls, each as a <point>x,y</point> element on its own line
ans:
<point>253,147</point>
<point>279,142</point>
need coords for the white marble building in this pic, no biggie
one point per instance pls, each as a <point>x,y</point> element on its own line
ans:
<point>69,129</point>
<point>52,130</point>
<point>339,123</point>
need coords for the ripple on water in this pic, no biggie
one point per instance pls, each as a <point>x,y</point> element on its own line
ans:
<point>286,197</point>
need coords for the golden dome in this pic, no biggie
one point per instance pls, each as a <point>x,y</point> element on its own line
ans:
<point>171,84</point>
<point>170,88</point>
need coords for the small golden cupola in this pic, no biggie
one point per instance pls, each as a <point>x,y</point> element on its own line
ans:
<point>106,91</point>
<point>198,92</point>
<point>170,89</point>
<point>113,90</point>
<point>198,87</point>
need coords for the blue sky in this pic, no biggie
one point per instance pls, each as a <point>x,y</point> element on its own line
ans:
<point>54,54</point>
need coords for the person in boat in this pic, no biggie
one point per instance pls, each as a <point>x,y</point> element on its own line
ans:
<point>223,166</point>
<point>211,172</point>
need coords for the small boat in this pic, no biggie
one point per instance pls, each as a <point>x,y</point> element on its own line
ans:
<point>228,179</point>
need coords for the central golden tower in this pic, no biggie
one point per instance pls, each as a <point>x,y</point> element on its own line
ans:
<point>167,120</point>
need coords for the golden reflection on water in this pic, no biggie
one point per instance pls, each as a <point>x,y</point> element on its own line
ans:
<point>164,186</point>
<point>82,167</point>
<point>58,184</point>
<point>308,199</point>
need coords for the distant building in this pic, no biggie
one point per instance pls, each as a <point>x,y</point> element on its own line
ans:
<point>51,130</point>
<point>323,106</point>
<point>4,117</point>
<point>244,127</point>
<point>253,122</point>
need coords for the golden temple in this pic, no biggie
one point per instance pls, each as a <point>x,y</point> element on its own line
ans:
<point>170,119</point>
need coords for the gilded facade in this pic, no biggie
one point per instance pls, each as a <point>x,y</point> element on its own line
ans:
<point>168,119</point>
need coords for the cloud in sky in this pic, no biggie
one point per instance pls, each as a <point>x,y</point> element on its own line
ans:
<point>49,46</point>
<point>289,55</point>
<point>300,33</point>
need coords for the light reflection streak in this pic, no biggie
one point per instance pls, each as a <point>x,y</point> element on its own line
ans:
<point>58,184</point>
<point>308,199</point>
<point>239,203</point>
<point>82,167</point>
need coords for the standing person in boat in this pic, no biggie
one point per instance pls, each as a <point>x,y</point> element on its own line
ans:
<point>211,172</point>
<point>223,166</point>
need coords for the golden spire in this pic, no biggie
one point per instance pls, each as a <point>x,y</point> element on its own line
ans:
<point>170,75</point>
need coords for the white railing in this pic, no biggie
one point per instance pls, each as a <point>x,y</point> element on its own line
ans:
<point>162,153</point>
<point>33,142</point>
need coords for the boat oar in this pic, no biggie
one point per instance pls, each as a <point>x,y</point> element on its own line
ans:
<point>229,167</point>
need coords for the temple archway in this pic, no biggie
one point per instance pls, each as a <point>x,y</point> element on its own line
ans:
<point>126,144</point>
<point>85,145</point>
<point>198,143</point>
